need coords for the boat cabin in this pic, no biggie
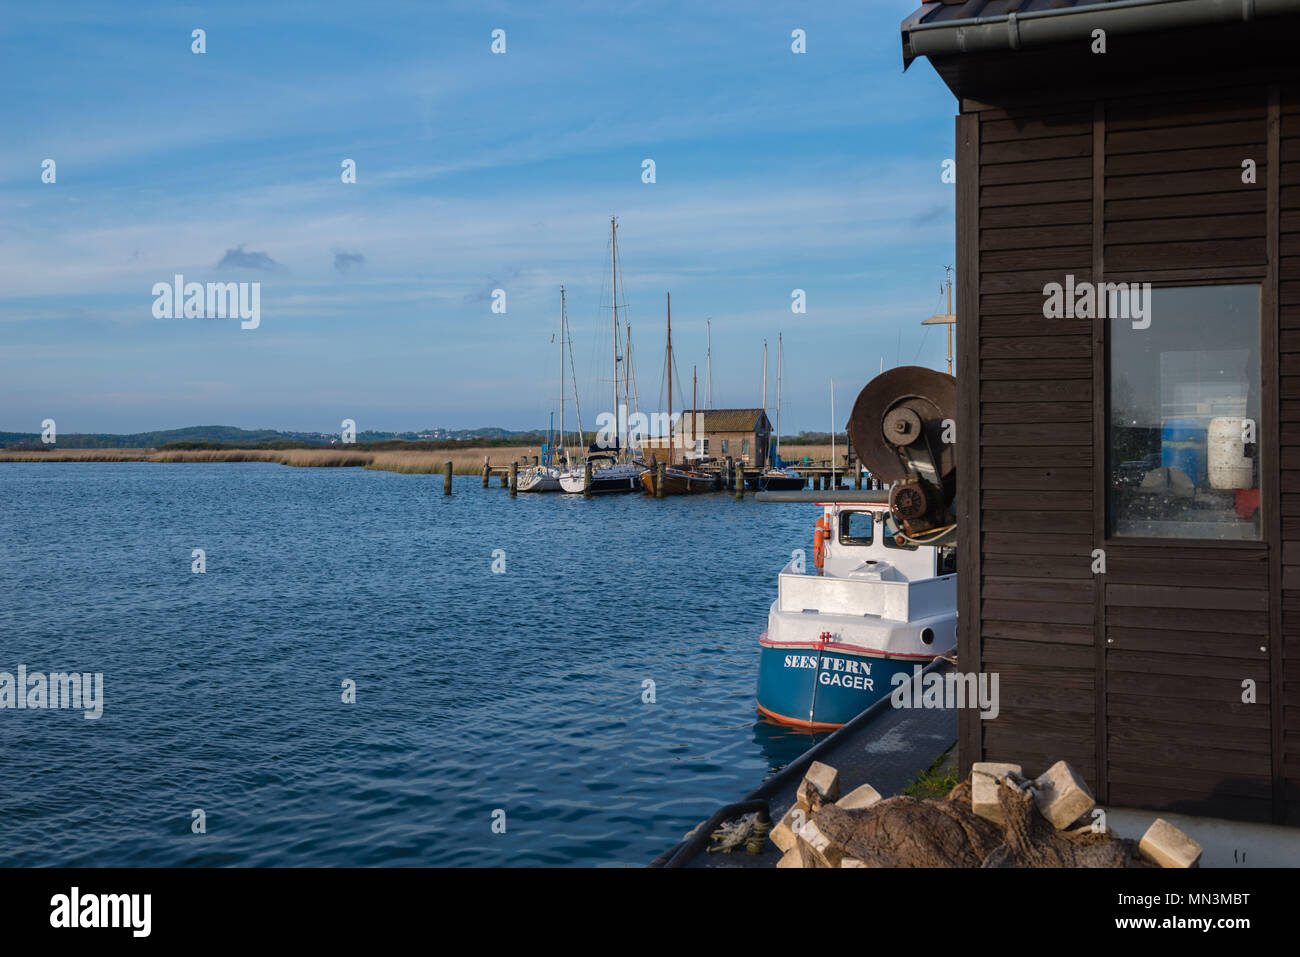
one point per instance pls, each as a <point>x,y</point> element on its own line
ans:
<point>864,543</point>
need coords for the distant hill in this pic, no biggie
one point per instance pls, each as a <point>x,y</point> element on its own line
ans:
<point>226,435</point>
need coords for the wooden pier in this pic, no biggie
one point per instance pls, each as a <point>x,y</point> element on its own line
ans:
<point>817,474</point>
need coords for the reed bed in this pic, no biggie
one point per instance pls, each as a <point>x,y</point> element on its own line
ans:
<point>466,461</point>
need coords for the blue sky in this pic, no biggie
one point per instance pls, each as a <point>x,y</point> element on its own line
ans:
<point>475,171</point>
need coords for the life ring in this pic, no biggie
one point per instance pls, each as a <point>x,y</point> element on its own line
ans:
<point>821,532</point>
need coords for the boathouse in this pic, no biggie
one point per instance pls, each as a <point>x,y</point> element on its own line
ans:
<point>743,435</point>
<point>1128,374</point>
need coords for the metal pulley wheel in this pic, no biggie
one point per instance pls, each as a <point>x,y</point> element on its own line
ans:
<point>898,420</point>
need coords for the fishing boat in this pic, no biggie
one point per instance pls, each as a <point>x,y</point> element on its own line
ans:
<point>612,468</point>
<point>871,607</point>
<point>880,595</point>
<point>679,479</point>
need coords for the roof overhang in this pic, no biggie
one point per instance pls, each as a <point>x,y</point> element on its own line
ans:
<point>1014,31</point>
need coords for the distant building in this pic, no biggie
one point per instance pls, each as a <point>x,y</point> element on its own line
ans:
<point>740,434</point>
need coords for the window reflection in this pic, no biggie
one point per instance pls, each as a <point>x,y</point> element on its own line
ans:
<point>1184,416</point>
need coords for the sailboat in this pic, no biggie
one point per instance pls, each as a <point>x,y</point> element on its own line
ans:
<point>777,477</point>
<point>678,479</point>
<point>545,476</point>
<point>611,469</point>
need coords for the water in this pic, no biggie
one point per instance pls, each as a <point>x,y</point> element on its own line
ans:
<point>476,691</point>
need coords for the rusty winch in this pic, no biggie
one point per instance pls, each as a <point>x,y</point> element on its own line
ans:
<point>903,428</point>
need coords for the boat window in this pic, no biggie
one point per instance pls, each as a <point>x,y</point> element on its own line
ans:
<point>1184,413</point>
<point>890,533</point>
<point>947,560</point>
<point>855,528</point>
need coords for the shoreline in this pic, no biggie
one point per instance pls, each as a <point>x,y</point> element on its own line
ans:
<point>467,461</point>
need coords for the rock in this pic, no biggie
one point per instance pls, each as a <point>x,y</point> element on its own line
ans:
<point>1061,796</point>
<point>786,832</point>
<point>858,798</point>
<point>1169,847</point>
<point>823,851</point>
<point>790,859</point>
<point>984,788</point>
<point>820,786</point>
<point>851,862</point>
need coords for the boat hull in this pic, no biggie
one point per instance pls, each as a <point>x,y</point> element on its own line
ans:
<point>822,688</point>
<point>626,480</point>
<point>678,483</point>
<point>776,483</point>
<point>539,483</point>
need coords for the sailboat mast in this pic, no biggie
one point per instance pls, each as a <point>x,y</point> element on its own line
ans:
<point>708,363</point>
<point>670,369</point>
<point>764,375</point>
<point>834,484</point>
<point>563,446</point>
<point>613,284</point>
<point>779,355</point>
<point>695,386</point>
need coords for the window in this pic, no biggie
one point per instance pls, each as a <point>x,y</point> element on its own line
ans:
<point>946,560</point>
<point>1183,417</point>
<point>744,446</point>
<point>855,528</point>
<point>724,446</point>
<point>891,530</point>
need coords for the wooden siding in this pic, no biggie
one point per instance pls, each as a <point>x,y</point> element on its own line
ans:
<point>1035,593</point>
<point>1288,274</point>
<point>1135,676</point>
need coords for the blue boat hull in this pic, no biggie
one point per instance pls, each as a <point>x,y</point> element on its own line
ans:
<point>798,685</point>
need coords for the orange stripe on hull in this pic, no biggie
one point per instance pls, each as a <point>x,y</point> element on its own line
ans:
<point>801,723</point>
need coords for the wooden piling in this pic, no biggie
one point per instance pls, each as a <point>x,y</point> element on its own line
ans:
<point>505,479</point>
<point>586,479</point>
<point>487,471</point>
<point>661,472</point>
<point>514,477</point>
<point>446,478</point>
<point>740,481</point>
<point>857,477</point>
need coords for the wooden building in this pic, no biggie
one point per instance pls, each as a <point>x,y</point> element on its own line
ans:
<point>743,435</point>
<point>1129,485</point>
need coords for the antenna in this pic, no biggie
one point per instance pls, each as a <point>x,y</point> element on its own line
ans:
<point>708,363</point>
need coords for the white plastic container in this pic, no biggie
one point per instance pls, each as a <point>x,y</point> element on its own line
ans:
<point>1226,454</point>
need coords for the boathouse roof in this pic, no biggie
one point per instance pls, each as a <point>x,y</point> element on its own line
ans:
<point>946,30</point>
<point>733,420</point>
<point>976,26</point>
